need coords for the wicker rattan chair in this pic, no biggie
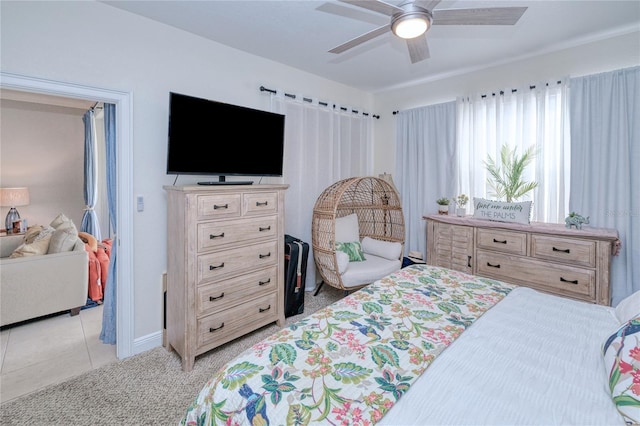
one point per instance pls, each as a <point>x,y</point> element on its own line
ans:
<point>377,206</point>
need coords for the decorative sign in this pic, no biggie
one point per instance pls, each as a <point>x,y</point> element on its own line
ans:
<point>501,211</point>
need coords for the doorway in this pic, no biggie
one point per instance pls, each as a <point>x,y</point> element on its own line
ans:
<point>124,153</point>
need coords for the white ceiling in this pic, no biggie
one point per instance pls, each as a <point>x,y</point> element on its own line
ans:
<point>300,33</point>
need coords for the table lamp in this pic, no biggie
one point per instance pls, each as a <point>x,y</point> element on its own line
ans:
<point>12,197</point>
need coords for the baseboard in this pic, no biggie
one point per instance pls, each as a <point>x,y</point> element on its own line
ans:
<point>144,343</point>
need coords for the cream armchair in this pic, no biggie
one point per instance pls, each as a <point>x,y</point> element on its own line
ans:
<point>33,286</point>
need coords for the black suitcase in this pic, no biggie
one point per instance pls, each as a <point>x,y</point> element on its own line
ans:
<point>296,253</point>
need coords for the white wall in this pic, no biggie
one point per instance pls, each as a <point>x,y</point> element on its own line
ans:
<point>92,44</point>
<point>42,148</point>
<point>591,58</point>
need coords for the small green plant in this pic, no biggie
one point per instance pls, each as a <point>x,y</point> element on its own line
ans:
<point>443,201</point>
<point>462,200</point>
<point>505,179</point>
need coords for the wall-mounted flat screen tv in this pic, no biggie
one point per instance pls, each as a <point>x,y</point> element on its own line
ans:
<point>212,138</point>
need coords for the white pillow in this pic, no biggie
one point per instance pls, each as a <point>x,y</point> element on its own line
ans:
<point>347,229</point>
<point>501,211</point>
<point>385,249</point>
<point>628,308</point>
<point>343,261</point>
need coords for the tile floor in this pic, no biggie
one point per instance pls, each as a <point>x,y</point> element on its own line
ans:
<point>44,352</point>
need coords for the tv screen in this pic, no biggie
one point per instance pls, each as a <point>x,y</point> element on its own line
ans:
<point>207,137</point>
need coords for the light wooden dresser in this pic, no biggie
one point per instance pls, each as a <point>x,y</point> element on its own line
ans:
<point>225,264</point>
<point>548,257</point>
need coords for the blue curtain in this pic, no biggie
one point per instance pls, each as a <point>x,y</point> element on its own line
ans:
<point>90,222</point>
<point>605,154</point>
<point>426,165</point>
<point>108,333</point>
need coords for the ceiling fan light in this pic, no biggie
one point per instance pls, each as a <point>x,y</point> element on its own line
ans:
<point>410,27</point>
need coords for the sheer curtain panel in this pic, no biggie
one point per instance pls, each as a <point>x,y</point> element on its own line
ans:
<point>322,145</point>
<point>532,116</point>
<point>605,178</point>
<point>426,165</point>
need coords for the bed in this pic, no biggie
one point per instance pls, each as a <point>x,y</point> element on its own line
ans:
<point>428,345</point>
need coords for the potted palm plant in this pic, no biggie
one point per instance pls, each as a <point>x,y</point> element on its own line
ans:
<point>443,205</point>
<point>505,178</point>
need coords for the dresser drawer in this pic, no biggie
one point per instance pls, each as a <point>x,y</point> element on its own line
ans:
<point>228,324</point>
<point>220,233</point>
<point>224,294</point>
<point>501,240</point>
<point>260,203</point>
<point>218,205</point>
<point>567,250</point>
<point>235,261</point>
<point>560,279</point>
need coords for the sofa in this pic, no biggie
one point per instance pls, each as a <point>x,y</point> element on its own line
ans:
<point>35,285</point>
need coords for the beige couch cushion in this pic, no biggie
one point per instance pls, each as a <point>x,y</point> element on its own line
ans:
<point>65,235</point>
<point>36,242</point>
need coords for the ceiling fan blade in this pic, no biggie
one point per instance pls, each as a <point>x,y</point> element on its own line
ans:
<point>479,16</point>
<point>376,6</point>
<point>427,4</point>
<point>361,39</point>
<point>418,49</point>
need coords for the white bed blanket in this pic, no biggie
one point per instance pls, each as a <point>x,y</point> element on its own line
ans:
<point>533,359</point>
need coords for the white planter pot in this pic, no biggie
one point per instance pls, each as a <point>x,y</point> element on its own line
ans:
<point>443,209</point>
<point>461,211</point>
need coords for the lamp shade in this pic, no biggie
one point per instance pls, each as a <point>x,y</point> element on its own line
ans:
<point>14,197</point>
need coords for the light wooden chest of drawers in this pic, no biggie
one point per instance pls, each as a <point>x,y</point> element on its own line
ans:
<point>225,264</point>
<point>548,257</point>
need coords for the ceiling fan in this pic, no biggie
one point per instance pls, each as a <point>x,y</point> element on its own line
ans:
<point>412,19</point>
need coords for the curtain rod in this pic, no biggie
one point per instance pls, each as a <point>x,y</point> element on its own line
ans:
<point>531,87</point>
<point>289,95</point>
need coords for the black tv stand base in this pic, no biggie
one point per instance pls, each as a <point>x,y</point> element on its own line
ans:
<point>228,182</point>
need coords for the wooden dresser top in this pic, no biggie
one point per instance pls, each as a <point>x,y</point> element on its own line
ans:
<point>538,227</point>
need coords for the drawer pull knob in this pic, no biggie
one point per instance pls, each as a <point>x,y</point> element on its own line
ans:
<point>261,229</point>
<point>220,206</point>
<point>213,237</point>
<point>212,329</point>
<point>500,242</point>
<point>259,204</point>
<point>264,282</point>
<point>468,261</point>
<point>493,266</point>
<point>563,251</point>
<point>211,267</point>
<point>265,309</point>
<point>262,256</point>
<point>211,298</point>
<point>569,281</point>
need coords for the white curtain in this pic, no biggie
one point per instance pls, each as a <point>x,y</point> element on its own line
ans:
<point>605,179</point>
<point>520,118</point>
<point>323,144</point>
<point>426,166</point>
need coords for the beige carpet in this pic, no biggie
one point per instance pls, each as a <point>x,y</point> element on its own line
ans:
<point>146,389</point>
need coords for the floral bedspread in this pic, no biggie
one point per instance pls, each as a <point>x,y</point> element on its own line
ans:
<point>351,361</point>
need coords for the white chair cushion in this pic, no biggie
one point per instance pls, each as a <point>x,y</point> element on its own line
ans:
<point>368,271</point>
<point>387,249</point>
<point>347,229</point>
<point>343,261</point>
